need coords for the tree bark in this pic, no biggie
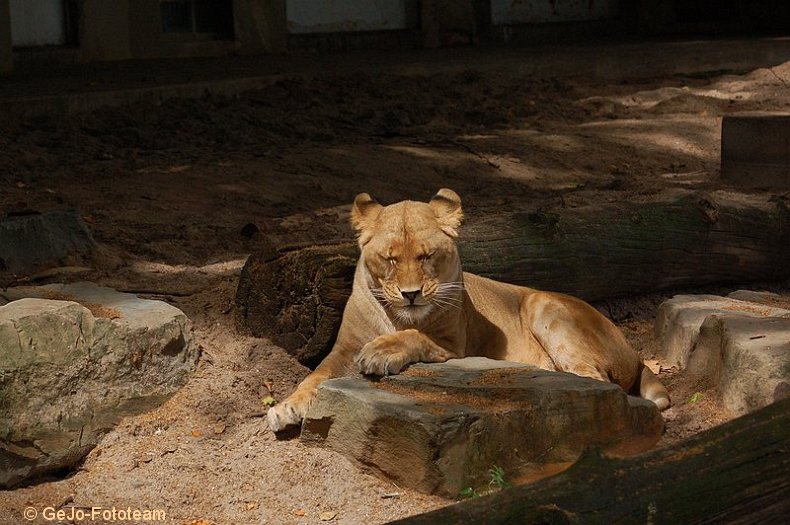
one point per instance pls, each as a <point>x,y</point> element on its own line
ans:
<point>296,296</point>
<point>734,473</point>
<point>617,249</point>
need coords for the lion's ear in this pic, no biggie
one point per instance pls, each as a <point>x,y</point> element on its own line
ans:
<point>363,215</point>
<point>446,205</point>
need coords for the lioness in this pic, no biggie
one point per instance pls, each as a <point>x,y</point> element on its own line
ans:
<point>411,302</point>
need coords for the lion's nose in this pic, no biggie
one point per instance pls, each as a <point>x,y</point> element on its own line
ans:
<point>410,296</point>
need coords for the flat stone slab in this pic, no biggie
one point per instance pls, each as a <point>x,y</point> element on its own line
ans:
<point>76,358</point>
<point>747,360</point>
<point>761,297</point>
<point>679,319</point>
<point>31,242</point>
<point>440,428</point>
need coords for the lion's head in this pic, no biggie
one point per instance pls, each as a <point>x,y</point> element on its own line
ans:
<point>410,255</point>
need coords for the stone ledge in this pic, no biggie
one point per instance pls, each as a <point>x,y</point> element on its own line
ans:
<point>679,319</point>
<point>738,345</point>
<point>439,428</point>
<point>746,359</point>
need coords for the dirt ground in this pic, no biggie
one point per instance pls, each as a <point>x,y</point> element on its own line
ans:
<point>167,189</point>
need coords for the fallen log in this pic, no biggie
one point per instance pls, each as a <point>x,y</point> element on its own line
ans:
<point>734,473</point>
<point>296,296</point>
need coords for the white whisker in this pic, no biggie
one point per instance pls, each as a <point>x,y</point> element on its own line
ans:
<point>436,301</point>
<point>448,305</point>
<point>450,293</point>
<point>381,297</point>
<point>444,307</point>
<point>449,298</point>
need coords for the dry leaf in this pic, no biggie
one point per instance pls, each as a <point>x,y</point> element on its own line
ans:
<point>251,505</point>
<point>196,433</point>
<point>269,385</point>
<point>300,512</point>
<point>219,428</point>
<point>268,401</point>
<point>653,365</point>
<point>327,516</point>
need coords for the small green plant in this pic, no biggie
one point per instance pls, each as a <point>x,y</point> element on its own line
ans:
<point>496,481</point>
<point>497,477</point>
<point>696,397</point>
<point>468,493</point>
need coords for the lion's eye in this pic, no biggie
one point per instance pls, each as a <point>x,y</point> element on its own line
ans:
<point>426,256</point>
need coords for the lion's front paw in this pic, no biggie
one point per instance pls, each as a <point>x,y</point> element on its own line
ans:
<point>382,356</point>
<point>289,412</point>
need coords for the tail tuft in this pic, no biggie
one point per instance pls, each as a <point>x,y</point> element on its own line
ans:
<point>651,388</point>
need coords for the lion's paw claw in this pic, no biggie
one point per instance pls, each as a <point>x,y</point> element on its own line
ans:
<point>285,414</point>
<point>379,358</point>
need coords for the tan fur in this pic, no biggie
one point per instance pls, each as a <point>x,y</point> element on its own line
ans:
<point>411,302</point>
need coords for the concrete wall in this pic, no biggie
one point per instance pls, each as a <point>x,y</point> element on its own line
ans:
<point>104,30</point>
<point>448,22</point>
<point>655,16</point>
<point>145,28</point>
<point>312,16</point>
<point>123,29</point>
<point>6,61</point>
<point>511,12</point>
<point>260,26</point>
<point>37,22</point>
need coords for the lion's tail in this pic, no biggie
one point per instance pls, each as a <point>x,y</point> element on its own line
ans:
<point>651,388</point>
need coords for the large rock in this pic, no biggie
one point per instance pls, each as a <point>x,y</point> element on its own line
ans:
<point>439,428</point>
<point>747,360</point>
<point>32,242</point>
<point>74,359</point>
<point>679,319</point>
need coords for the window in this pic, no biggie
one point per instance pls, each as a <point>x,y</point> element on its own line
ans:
<point>198,19</point>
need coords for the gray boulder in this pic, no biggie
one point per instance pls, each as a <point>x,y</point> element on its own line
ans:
<point>440,428</point>
<point>76,358</point>
<point>746,359</point>
<point>679,319</point>
<point>32,242</point>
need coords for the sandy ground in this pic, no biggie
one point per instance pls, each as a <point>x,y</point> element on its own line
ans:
<point>166,191</point>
